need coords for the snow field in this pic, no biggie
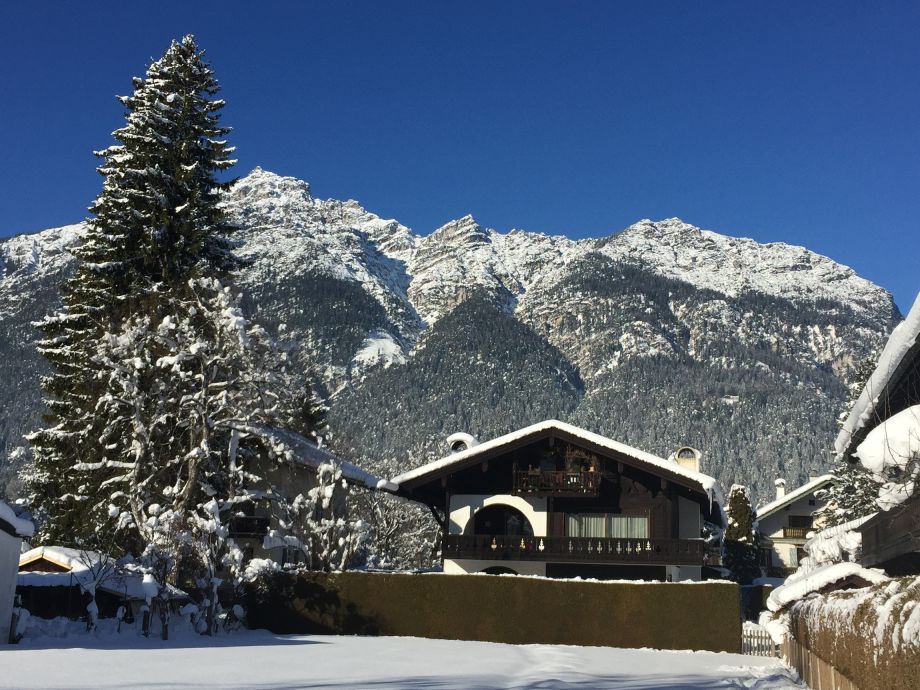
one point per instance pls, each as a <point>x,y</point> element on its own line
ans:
<point>260,660</point>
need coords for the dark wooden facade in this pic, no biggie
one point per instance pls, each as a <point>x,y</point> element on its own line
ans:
<point>891,539</point>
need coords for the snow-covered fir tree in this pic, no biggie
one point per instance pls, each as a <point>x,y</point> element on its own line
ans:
<point>155,220</point>
<point>851,495</point>
<point>740,545</point>
<point>164,397</point>
<point>854,491</point>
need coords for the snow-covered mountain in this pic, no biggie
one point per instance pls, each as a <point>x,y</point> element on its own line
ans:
<point>612,333</point>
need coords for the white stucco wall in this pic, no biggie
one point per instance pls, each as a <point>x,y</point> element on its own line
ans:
<point>462,566</point>
<point>9,568</point>
<point>464,506</point>
<point>684,573</point>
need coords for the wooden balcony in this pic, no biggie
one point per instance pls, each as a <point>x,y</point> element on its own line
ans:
<point>553,483</point>
<point>249,527</point>
<point>796,532</point>
<point>579,549</point>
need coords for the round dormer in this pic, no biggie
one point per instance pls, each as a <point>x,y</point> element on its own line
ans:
<point>687,457</point>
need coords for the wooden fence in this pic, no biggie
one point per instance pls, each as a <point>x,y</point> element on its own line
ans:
<point>756,641</point>
<point>812,669</point>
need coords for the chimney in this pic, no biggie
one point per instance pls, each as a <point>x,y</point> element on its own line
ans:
<point>688,458</point>
<point>780,487</point>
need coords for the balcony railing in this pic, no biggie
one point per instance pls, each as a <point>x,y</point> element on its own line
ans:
<point>551,482</point>
<point>557,549</point>
<point>795,532</point>
<point>249,526</point>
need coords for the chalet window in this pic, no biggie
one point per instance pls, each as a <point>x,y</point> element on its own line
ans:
<point>586,525</point>
<point>803,521</point>
<point>600,525</point>
<point>628,527</point>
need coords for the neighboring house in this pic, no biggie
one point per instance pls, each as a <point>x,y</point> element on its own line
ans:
<point>890,539</point>
<point>552,499</point>
<point>12,531</point>
<point>785,522</point>
<point>255,524</point>
<point>55,581</point>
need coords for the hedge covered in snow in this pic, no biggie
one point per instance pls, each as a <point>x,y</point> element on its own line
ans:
<point>870,635</point>
<point>500,608</point>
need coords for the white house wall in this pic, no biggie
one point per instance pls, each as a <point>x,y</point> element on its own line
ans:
<point>9,569</point>
<point>461,566</point>
<point>464,506</point>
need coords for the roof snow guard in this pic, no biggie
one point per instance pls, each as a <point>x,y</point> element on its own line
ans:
<point>896,360</point>
<point>793,496</point>
<point>470,456</point>
<point>12,525</point>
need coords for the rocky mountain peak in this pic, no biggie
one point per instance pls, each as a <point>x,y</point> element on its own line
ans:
<point>462,232</point>
<point>264,185</point>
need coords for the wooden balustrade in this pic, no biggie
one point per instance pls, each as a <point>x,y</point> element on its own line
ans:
<point>556,483</point>
<point>558,549</point>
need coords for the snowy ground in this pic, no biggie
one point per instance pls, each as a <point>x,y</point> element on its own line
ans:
<point>257,661</point>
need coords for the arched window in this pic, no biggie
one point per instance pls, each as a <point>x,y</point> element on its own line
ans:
<point>501,520</point>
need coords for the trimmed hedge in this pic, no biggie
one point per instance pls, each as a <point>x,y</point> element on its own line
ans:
<point>871,635</point>
<point>509,609</point>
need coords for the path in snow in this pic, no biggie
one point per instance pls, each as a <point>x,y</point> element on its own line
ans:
<point>260,661</point>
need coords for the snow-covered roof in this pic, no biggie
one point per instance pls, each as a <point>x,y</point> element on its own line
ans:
<point>294,447</point>
<point>806,489</point>
<point>706,483</point>
<point>84,568</point>
<point>9,522</point>
<point>801,585</point>
<point>903,339</point>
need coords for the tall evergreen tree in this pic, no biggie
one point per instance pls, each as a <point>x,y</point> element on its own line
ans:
<point>740,545</point>
<point>156,222</point>
<point>854,491</point>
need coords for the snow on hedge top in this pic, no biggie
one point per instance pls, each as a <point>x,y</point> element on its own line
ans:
<point>808,488</point>
<point>902,339</point>
<point>708,485</point>
<point>891,451</point>
<point>23,528</point>
<point>800,585</point>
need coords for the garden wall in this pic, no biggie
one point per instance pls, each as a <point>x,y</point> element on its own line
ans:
<point>493,608</point>
<point>869,636</point>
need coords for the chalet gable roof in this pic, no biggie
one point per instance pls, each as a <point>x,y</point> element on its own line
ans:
<point>803,491</point>
<point>553,427</point>
<point>298,449</point>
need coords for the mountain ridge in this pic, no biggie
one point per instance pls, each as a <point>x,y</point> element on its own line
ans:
<point>358,294</point>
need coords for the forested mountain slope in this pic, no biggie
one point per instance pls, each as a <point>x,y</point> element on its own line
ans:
<point>658,335</point>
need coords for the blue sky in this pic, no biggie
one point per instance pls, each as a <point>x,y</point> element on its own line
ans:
<point>782,121</point>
